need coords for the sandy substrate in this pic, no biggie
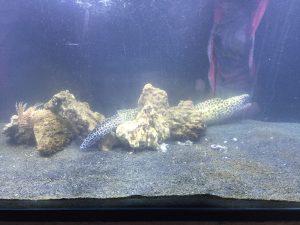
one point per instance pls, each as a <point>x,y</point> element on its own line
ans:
<point>259,161</point>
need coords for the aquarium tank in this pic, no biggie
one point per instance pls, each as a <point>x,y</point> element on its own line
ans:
<point>149,103</point>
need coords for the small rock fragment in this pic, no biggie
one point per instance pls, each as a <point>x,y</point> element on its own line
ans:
<point>218,147</point>
<point>164,147</point>
<point>186,143</point>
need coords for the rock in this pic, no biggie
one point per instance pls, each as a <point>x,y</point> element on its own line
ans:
<point>51,132</point>
<point>20,129</point>
<point>185,122</point>
<point>155,96</point>
<point>150,127</point>
<point>78,114</point>
<point>38,127</point>
<point>53,127</point>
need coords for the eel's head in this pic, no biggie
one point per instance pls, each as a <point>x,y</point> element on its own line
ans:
<point>240,105</point>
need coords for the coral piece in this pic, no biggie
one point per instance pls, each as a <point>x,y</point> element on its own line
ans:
<point>217,110</point>
<point>79,115</point>
<point>50,131</point>
<point>150,127</point>
<point>20,129</point>
<point>185,121</point>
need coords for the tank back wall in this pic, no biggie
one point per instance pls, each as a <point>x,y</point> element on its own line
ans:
<point>277,55</point>
<point>94,49</point>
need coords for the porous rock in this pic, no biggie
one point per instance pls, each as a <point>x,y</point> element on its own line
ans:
<point>185,121</point>
<point>150,127</point>
<point>20,128</point>
<point>51,132</point>
<point>79,115</point>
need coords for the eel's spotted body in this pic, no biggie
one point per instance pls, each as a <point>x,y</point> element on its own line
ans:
<point>107,126</point>
<point>217,110</point>
<point>213,111</point>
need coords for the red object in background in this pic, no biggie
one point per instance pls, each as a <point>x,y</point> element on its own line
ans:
<point>232,42</point>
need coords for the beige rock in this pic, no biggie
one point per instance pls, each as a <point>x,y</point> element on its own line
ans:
<point>79,115</point>
<point>51,132</point>
<point>185,121</point>
<point>155,96</point>
<point>150,127</point>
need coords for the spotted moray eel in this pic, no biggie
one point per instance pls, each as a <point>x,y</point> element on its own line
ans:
<point>217,110</point>
<point>213,111</point>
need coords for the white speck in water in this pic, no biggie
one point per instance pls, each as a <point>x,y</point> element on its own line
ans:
<point>235,139</point>
<point>271,138</point>
<point>130,153</point>
<point>225,142</point>
<point>105,2</point>
<point>71,44</point>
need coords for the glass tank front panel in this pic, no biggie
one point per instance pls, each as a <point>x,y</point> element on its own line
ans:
<point>110,99</point>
